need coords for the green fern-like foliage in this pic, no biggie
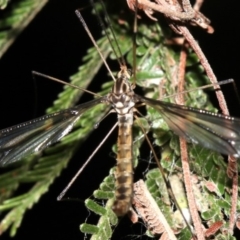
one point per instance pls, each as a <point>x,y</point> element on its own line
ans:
<point>156,62</point>
<point>15,18</point>
<point>47,168</point>
<point>41,171</point>
<point>3,4</point>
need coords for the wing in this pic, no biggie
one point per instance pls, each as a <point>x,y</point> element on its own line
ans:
<point>214,131</point>
<point>33,136</point>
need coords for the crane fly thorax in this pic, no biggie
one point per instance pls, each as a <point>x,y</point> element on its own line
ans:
<point>122,95</point>
<point>122,103</point>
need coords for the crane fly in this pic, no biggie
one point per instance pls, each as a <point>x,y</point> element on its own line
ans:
<point>214,131</point>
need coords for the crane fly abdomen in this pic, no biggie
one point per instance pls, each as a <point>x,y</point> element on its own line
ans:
<point>124,168</point>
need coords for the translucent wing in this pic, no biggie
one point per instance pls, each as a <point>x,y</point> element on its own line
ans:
<point>214,131</point>
<point>33,136</point>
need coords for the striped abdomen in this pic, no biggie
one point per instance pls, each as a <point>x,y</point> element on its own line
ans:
<point>124,168</point>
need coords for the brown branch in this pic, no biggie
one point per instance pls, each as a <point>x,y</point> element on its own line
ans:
<point>232,164</point>
<point>173,10</point>
<point>188,186</point>
<point>164,8</point>
<point>234,197</point>
<point>184,153</point>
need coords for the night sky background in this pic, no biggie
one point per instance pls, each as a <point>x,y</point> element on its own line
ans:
<point>54,44</point>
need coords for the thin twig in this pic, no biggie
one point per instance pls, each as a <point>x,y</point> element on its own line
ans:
<point>197,5</point>
<point>184,153</point>
<point>232,166</point>
<point>234,198</point>
<point>188,186</point>
<point>204,62</point>
<point>213,228</point>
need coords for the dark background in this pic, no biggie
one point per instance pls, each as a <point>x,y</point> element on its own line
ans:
<point>54,44</point>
